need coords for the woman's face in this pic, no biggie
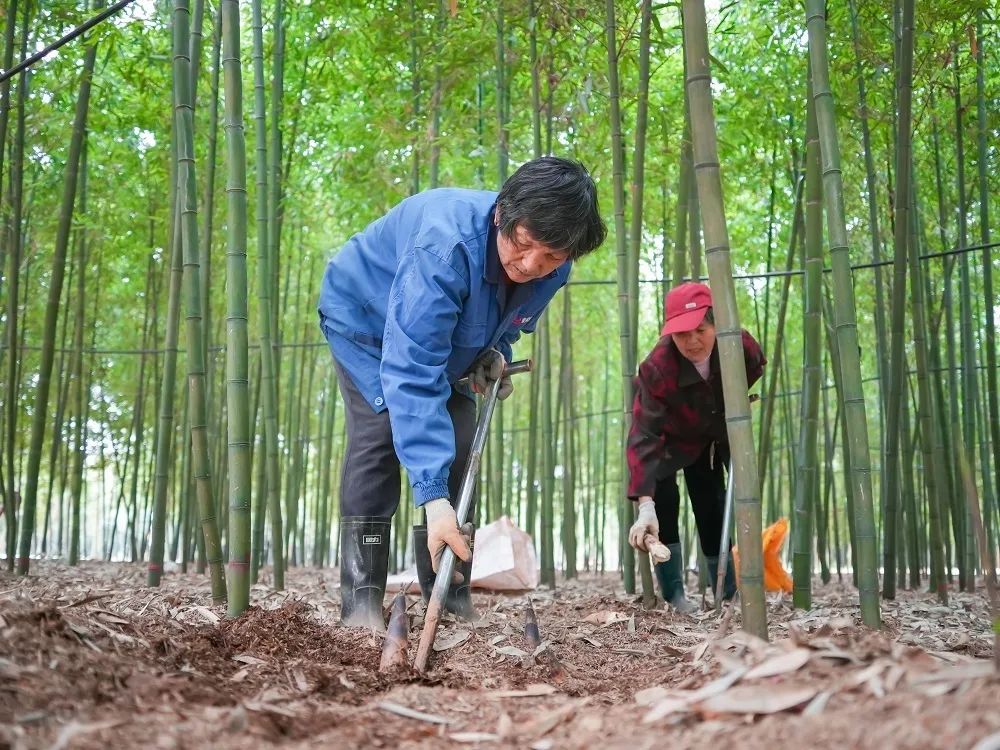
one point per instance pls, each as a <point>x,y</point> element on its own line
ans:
<point>696,345</point>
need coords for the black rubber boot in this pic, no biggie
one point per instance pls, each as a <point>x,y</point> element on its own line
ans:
<point>728,583</point>
<point>670,574</point>
<point>459,598</point>
<point>364,566</point>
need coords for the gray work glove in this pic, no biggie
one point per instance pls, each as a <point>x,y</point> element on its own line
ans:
<point>645,523</point>
<point>488,367</point>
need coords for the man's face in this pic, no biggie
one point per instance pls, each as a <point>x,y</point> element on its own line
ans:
<point>524,258</point>
<point>696,345</point>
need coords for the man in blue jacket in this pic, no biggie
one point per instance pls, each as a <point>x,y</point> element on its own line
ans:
<point>438,288</point>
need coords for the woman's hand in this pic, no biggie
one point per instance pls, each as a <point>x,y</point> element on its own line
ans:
<point>646,523</point>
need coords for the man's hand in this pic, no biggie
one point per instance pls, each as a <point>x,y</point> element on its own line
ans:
<point>646,523</point>
<point>488,367</point>
<point>442,531</point>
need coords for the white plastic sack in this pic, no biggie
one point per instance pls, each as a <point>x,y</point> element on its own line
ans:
<point>505,558</point>
<point>504,561</point>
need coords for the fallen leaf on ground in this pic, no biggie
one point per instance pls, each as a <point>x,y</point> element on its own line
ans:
<point>531,691</point>
<point>666,707</point>
<point>473,737</point>
<point>451,639</point>
<point>756,699</point>
<point>781,664</point>
<point>649,696</point>
<point>247,659</point>
<point>606,617</point>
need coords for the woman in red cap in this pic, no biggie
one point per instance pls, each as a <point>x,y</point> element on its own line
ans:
<point>679,423</point>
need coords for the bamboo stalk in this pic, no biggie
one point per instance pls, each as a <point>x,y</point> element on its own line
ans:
<point>987,261</point>
<point>192,295</point>
<point>40,415</point>
<point>807,491</point>
<point>846,318</point>
<point>734,378</point>
<point>897,362</point>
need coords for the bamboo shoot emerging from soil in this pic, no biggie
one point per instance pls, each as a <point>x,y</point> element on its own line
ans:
<point>395,643</point>
<point>532,637</point>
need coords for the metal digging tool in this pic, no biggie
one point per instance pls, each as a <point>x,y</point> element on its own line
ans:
<point>720,575</point>
<point>727,515</point>
<point>447,565</point>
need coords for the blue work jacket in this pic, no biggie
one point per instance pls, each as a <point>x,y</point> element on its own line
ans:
<point>410,302</point>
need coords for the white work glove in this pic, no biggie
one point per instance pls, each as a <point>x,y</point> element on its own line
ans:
<point>442,530</point>
<point>646,523</point>
<point>488,367</point>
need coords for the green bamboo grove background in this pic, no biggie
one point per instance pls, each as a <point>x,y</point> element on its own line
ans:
<point>174,182</point>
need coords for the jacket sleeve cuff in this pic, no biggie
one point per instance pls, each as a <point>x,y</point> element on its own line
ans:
<point>432,489</point>
<point>504,347</point>
<point>641,489</point>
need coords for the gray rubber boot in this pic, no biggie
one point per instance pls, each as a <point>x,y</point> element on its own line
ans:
<point>459,598</point>
<point>728,582</point>
<point>670,574</point>
<point>364,567</point>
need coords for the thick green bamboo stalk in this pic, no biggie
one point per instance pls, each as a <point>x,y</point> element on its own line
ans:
<point>984,237</point>
<point>914,535</point>
<point>293,413</point>
<point>139,425</point>
<point>625,301</point>
<point>928,415</point>
<point>80,404</point>
<point>872,195</point>
<point>639,172</point>
<point>8,60</point>
<point>165,437</point>
<point>685,177</point>
<point>502,91</point>
<point>327,469</point>
<point>237,314</point>
<point>531,502</point>
<point>192,298</point>
<point>547,567</point>
<point>265,309</point>
<point>970,377</point>
<point>945,402</point>
<point>536,87</point>
<point>807,490</point>
<point>897,362</point>
<point>846,319</point>
<point>746,494</point>
<point>40,415</point>
<point>275,208</point>
<point>437,92</point>
<point>14,242</point>
<point>568,390</point>
<point>208,192</point>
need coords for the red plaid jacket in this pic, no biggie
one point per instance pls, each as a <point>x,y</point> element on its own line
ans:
<point>676,414</point>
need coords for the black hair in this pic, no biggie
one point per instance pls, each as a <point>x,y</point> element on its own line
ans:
<point>556,201</point>
<point>709,317</point>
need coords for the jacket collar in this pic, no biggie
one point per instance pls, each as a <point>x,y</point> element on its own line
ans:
<point>687,373</point>
<point>491,268</point>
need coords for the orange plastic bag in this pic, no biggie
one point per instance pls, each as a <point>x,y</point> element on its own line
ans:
<point>776,578</point>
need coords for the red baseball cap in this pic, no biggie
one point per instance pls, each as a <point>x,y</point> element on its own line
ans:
<point>686,307</point>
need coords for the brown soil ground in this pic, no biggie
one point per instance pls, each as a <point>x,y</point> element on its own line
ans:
<point>91,658</point>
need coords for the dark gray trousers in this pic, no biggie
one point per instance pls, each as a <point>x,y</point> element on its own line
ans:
<point>369,480</point>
